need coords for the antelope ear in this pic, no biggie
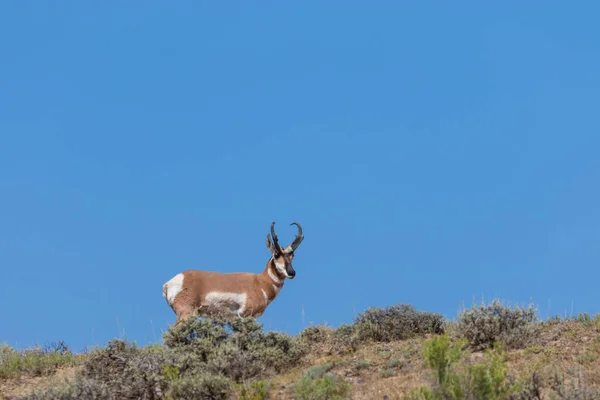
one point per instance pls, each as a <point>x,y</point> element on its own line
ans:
<point>270,245</point>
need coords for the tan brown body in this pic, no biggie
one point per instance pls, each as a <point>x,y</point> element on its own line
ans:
<point>243,293</point>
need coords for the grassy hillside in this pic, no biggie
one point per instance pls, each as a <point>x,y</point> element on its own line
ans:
<point>491,352</point>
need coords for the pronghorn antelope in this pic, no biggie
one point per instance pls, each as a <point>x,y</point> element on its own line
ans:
<point>244,293</point>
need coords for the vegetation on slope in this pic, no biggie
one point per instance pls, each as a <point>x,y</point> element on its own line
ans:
<point>491,352</point>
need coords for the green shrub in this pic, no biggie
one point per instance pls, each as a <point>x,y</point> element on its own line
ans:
<point>152,372</point>
<point>329,387</point>
<point>315,334</point>
<point>202,359</point>
<point>397,322</point>
<point>485,325</point>
<point>387,373</point>
<point>395,364</point>
<point>202,336</point>
<point>201,386</point>
<point>345,339</point>
<point>363,364</point>
<point>77,389</point>
<point>575,392</point>
<point>318,371</point>
<point>318,384</point>
<point>531,389</point>
<point>36,361</point>
<point>235,347</point>
<point>440,355</point>
<point>257,390</point>
<point>221,347</point>
<point>280,351</point>
<point>131,372</point>
<point>572,389</point>
<point>488,380</point>
<point>589,321</point>
<point>123,371</point>
<point>110,362</point>
<point>583,318</point>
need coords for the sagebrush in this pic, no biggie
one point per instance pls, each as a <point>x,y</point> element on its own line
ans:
<point>233,358</point>
<point>483,325</point>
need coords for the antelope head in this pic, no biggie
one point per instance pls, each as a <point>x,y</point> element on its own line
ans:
<point>282,257</point>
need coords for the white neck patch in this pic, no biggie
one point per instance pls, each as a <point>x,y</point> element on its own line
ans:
<point>273,277</point>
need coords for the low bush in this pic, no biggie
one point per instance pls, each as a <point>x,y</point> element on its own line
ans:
<point>397,322</point>
<point>316,334</point>
<point>235,347</point>
<point>395,363</point>
<point>571,388</point>
<point>202,358</point>
<point>588,320</point>
<point>345,339</point>
<point>257,390</point>
<point>463,381</point>
<point>531,389</point>
<point>224,357</point>
<point>318,384</point>
<point>36,361</point>
<point>130,372</point>
<point>362,364</point>
<point>77,389</point>
<point>387,373</point>
<point>201,386</point>
<point>484,325</point>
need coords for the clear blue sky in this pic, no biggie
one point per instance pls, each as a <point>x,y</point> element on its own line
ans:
<point>433,153</point>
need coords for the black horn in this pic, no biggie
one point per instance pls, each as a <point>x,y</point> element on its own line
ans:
<point>274,237</point>
<point>299,238</point>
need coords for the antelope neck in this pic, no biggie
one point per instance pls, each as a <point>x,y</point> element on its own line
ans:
<point>273,274</point>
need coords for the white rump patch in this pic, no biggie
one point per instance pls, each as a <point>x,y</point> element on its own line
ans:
<point>172,288</point>
<point>236,302</point>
